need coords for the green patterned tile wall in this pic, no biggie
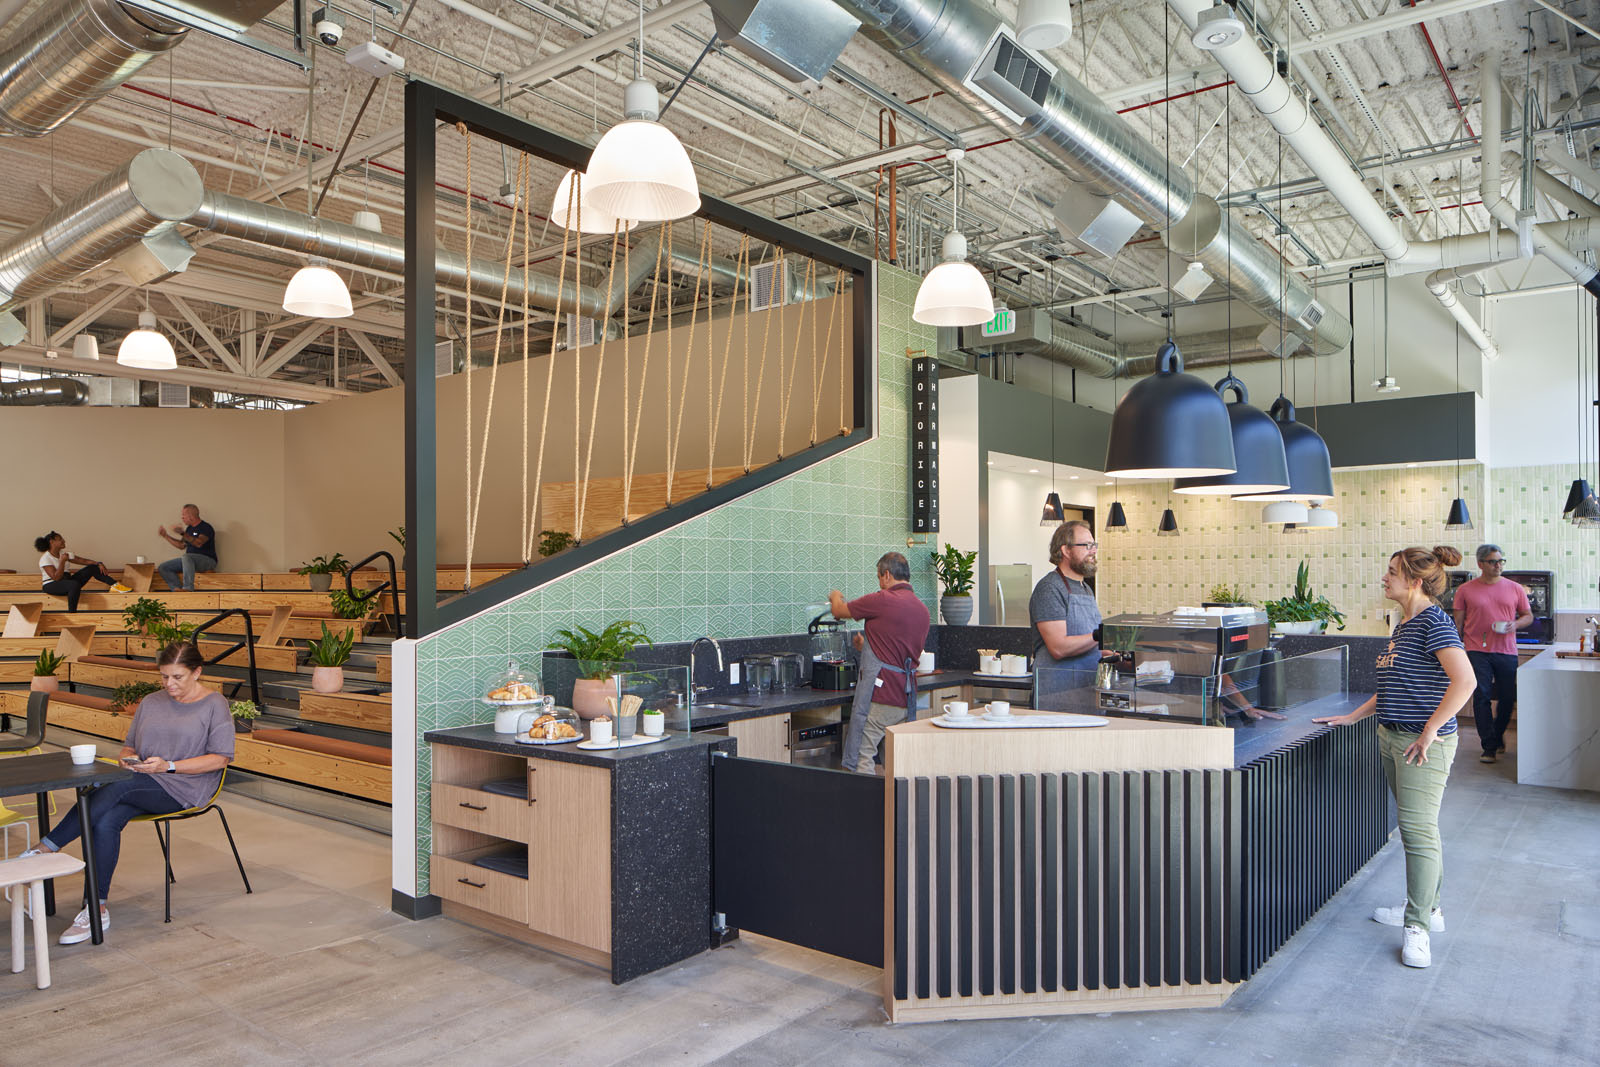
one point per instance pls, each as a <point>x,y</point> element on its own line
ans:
<point>751,567</point>
<point>1529,528</point>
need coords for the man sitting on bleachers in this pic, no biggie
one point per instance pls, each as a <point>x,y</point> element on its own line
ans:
<point>199,543</point>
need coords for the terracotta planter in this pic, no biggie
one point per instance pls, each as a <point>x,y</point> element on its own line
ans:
<point>44,683</point>
<point>319,583</point>
<point>589,696</point>
<point>327,679</point>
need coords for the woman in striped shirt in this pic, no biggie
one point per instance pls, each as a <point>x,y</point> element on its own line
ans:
<point>1424,678</point>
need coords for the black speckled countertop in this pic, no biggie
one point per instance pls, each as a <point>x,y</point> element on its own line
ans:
<point>483,737</point>
<point>806,699</point>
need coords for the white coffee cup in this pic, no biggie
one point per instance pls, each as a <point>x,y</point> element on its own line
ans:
<point>653,725</point>
<point>998,709</point>
<point>1014,664</point>
<point>925,662</point>
<point>82,754</point>
<point>138,559</point>
<point>988,664</point>
<point>956,709</point>
<point>600,730</point>
<point>1502,627</point>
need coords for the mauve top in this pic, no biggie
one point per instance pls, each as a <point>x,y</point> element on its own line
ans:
<point>175,731</point>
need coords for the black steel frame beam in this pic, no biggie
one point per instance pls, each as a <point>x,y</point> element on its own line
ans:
<point>427,105</point>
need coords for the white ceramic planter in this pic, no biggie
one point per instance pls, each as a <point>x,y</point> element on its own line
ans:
<point>327,679</point>
<point>1314,626</point>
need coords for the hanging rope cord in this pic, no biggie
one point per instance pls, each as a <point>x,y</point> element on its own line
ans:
<point>741,271</point>
<point>810,284</point>
<point>644,373</point>
<point>574,212</point>
<point>582,490</point>
<point>753,409</point>
<point>688,360</point>
<point>827,354</point>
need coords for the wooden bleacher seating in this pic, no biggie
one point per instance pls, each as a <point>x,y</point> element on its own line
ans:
<point>603,506</point>
<point>362,711</point>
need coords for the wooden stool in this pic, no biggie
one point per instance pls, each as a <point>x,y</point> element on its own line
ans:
<point>32,871</point>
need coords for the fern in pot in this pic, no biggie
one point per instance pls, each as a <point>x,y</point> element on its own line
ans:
<point>599,657</point>
<point>320,571</point>
<point>328,655</point>
<point>954,570</point>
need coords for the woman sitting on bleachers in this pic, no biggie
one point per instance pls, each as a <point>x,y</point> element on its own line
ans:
<point>57,580</point>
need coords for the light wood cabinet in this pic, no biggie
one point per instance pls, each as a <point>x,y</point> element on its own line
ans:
<point>569,852</point>
<point>764,738</point>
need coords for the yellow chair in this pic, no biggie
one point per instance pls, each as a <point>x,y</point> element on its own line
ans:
<point>190,813</point>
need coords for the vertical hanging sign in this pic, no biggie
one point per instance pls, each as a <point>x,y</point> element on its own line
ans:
<point>924,445</point>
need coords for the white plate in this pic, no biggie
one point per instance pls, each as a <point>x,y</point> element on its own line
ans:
<point>511,703</point>
<point>1008,677</point>
<point>1050,720</point>
<point>635,740</point>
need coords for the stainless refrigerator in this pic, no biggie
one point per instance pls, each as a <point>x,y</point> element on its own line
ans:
<point>1010,586</point>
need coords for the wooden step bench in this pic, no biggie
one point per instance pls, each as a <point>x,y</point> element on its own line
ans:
<point>99,645</point>
<point>74,711</point>
<point>282,658</point>
<point>362,711</point>
<point>385,669</point>
<point>325,762</point>
<point>108,672</point>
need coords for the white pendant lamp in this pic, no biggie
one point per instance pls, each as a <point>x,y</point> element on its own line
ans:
<point>640,170</point>
<point>585,217</point>
<point>317,292</point>
<point>1043,24</point>
<point>1285,511</point>
<point>85,346</point>
<point>1320,518</point>
<point>954,293</point>
<point>145,347</point>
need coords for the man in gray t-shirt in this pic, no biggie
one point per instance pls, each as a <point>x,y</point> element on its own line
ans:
<point>1063,611</point>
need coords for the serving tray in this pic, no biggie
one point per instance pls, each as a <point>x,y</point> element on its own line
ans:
<point>1052,720</point>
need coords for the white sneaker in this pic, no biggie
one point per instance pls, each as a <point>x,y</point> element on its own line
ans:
<point>1416,951</point>
<point>1396,916</point>
<point>79,930</point>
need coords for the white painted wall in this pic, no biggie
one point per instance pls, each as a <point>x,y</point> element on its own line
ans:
<point>1015,500</point>
<point>1535,402</point>
<point>958,462</point>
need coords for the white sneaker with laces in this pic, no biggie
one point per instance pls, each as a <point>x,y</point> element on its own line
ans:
<point>1396,916</point>
<point>1416,951</point>
<point>79,930</point>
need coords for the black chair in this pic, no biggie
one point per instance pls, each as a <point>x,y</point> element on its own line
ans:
<point>190,813</point>
<point>33,737</point>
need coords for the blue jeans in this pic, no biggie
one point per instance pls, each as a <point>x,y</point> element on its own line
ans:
<point>182,570</point>
<point>110,808</point>
<point>1496,671</point>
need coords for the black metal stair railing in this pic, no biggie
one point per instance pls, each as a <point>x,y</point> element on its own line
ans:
<point>248,644</point>
<point>392,584</point>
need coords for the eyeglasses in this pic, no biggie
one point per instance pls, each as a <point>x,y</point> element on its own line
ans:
<point>1493,562</point>
<point>1090,545</point>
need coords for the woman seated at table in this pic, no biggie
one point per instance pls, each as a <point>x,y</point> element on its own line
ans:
<point>58,582</point>
<point>180,740</point>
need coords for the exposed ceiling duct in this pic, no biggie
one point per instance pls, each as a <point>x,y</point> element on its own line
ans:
<point>42,392</point>
<point>965,47</point>
<point>1037,333</point>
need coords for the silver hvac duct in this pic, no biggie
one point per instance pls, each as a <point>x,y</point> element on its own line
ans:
<point>40,392</point>
<point>1039,334</point>
<point>154,191</point>
<point>959,44</point>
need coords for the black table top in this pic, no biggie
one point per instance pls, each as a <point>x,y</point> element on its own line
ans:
<point>54,770</point>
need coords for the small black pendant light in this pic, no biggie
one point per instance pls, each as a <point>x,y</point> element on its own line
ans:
<point>1169,524</point>
<point>1118,519</point>
<point>1053,513</point>
<point>1459,517</point>
<point>1580,489</point>
<point>1257,446</point>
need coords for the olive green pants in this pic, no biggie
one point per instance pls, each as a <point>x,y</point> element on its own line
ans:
<point>1418,789</point>
<point>879,718</point>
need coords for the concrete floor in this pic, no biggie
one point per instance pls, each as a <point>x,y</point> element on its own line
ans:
<point>314,969</point>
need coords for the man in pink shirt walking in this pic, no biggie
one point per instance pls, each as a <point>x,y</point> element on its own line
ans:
<point>1488,610</point>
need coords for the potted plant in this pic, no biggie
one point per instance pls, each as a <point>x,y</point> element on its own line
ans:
<point>320,571</point>
<point>126,697</point>
<point>145,613</point>
<point>44,672</point>
<point>954,569</point>
<point>345,606</point>
<point>598,655</point>
<point>1303,612</point>
<point>553,541</point>
<point>328,655</point>
<point>1223,594</point>
<point>244,713</point>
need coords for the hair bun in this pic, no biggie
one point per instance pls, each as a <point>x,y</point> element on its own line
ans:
<point>1447,555</point>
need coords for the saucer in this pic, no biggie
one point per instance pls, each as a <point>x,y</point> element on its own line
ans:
<point>987,717</point>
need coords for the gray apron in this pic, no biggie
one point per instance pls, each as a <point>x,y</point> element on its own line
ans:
<point>866,676</point>
<point>1083,617</point>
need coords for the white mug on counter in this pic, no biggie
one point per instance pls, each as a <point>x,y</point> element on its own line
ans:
<point>988,664</point>
<point>600,730</point>
<point>925,663</point>
<point>956,709</point>
<point>998,709</point>
<point>1013,664</point>
<point>83,755</point>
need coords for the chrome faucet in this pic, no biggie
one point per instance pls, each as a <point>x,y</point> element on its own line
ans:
<point>695,690</point>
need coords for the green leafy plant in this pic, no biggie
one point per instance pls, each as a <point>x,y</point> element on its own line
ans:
<point>169,633</point>
<point>331,649</point>
<point>336,564</point>
<point>129,694</point>
<point>346,606</point>
<point>399,534</point>
<point>143,613</point>
<point>244,710</point>
<point>1224,593</point>
<point>553,541</point>
<point>45,666</point>
<point>598,653</point>
<point>954,570</point>
<point>1303,605</point>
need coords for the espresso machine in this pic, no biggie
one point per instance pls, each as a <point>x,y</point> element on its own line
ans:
<point>1180,665</point>
<point>832,666</point>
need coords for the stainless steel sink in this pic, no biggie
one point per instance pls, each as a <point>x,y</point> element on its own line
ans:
<point>717,707</point>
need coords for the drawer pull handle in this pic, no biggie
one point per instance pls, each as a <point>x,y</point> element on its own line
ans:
<point>475,807</point>
<point>469,881</point>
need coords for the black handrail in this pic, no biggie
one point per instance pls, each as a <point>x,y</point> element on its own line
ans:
<point>393,583</point>
<point>248,644</point>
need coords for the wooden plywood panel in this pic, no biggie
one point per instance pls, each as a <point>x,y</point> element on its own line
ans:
<point>356,710</point>
<point>109,676</point>
<point>765,738</point>
<point>569,859</point>
<point>340,774</point>
<point>485,813</point>
<point>921,749</point>
<point>385,669</point>
<point>139,576</point>
<point>22,620</point>
<point>456,879</point>
<point>603,506</point>
<point>74,641</point>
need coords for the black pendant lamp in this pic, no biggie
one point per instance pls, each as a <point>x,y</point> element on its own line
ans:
<point>1257,447</point>
<point>1053,513</point>
<point>1310,470</point>
<point>1459,518</point>
<point>1169,524</point>
<point>1170,425</point>
<point>1575,496</point>
<point>1118,519</point>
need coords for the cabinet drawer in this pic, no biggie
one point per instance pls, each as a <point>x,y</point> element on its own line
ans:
<point>490,891</point>
<point>486,813</point>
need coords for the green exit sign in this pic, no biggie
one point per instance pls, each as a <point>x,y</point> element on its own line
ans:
<point>1004,322</point>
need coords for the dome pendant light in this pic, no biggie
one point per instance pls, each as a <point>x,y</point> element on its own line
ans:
<point>1043,24</point>
<point>1257,447</point>
<point>640,170</point>
<point>317,292</point>
<point>1320,518</point>
<point>146,348</point>
<point>1310,471</point>
<point>1169,524</point>
<point>954,293</point>
<point>1293,512</point>
<point>1170,425</point>
<point>589,219</point>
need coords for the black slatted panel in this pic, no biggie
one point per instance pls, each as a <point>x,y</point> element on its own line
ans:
<point>1133,879</point>
<point>1155,842</point>
<point>964,918</point>
<point>1172,871</point>
<point>1194,885</point>
<point>1111,929</point>
<point>1050,883</point>
<point>944,833</point>
<point>1216,869</point>
<point>986,886</point>
<point>924,886</point>
<point>1028,934</point>
<point>1233,925</point>
<point>902,887</point>
<point>1072,879</point>
<point>1008,884</point>
<point>1091,869</point>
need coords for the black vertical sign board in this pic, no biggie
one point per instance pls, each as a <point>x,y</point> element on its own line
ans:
<point>924,445</point>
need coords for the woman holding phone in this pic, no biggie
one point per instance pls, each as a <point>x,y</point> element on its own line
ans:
<point>1424,678</point>
<point>180,740</point>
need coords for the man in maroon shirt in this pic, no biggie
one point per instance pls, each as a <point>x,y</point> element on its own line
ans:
<point>896,629</point>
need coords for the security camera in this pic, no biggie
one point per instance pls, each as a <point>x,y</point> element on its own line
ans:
<point>328,25</point>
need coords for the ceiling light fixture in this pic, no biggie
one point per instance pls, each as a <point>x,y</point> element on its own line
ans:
<point>85,346</point>
<point>1386,384</point>
<point>1257,448</point>
<point>317,292</point>
<point>146,348</point>
<point>1043,24</point>
<point>1310,471</point>
<point>1117,518</point>
<point>1321,518</point>
<point>1293,512</point>
<point>1458,518</point>
<point>1054,514</point>
<point>640,170</point>
<point>954,293</point>
<point>1169,524</point>
<point>1217,27</point>
<point>589,218</point>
